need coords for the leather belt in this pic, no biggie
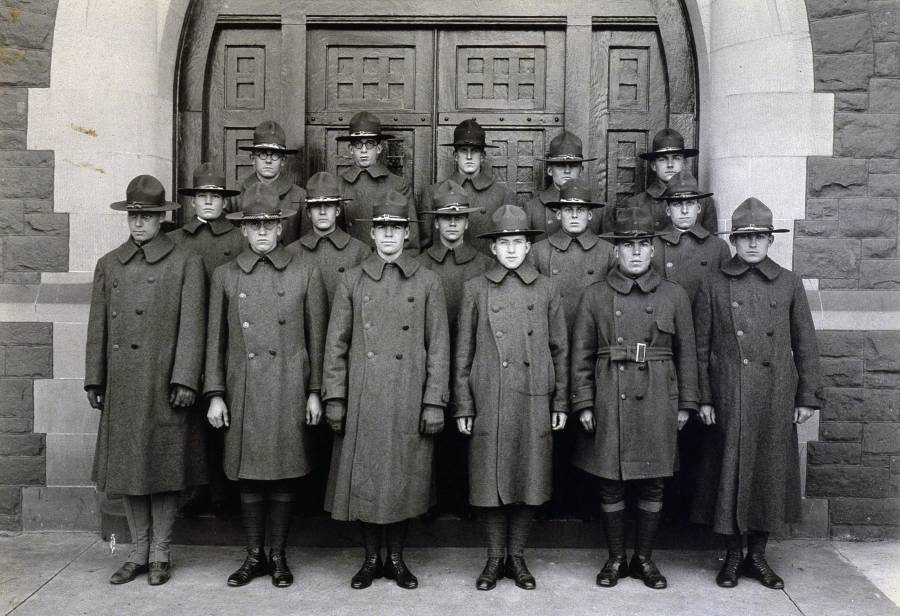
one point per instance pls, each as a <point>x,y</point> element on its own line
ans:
<point>639,353</point>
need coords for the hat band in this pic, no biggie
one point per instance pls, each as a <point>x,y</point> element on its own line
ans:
<point>635,232</point>
<point>681,194</point>
<point>269,146</point>
<point>209,187</point>
<point>572,200</point>
<point>452,207</point>
<point>277,214</point>
<point>752,228</point>
<point>667,148</point>
<point>316,199</point>
<point>389,218</point>
<point>138,205</point>
<point>363,133</point>
<point>566,156</point>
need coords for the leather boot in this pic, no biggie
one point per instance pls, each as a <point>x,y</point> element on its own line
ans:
<point>395,569</point>
<point>278,567</point>
<point>493,570</point>
<point>127,572</point>
<point>617,564</point>
<point>254,566</point>
<point>642,566</point>
<point>370,570</point>
<point>755,565</point>
<point>731,569</point>
<point>517,570</point>
<point>159,573</point>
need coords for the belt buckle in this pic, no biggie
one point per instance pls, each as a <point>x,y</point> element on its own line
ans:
<point>640,353</point>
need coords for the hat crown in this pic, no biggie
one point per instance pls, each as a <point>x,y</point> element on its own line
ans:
<point>578,189</point>
<point>469,132</point>
<point>145,190</point>
<point>206,175</point>
<point>322,185</point>
<point>667,139</point>
<point>682,183</point>
<point>508,219</point>
<point>269,132</point>
<point>450,193</point>
<point>751,214</point>
<point>260,201</point>
<point>365,123</point>
<point>394,207</point>
<point>565,145</point>
<point>632,221</point>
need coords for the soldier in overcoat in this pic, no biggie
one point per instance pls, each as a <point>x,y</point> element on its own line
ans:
<point>143,361</point>
<point>634,382</point>
<point>267,317</point>
<point>510,390</point>
<point>366,183</point>
<point>455,262</point>
<point>269,154</point>
<point>385,384</point>
<point>759,378</point>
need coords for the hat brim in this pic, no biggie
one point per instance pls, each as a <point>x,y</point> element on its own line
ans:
<point>326,200</point>
<point>470,145</point>
<point>465,210</point>
<point>748,230</point>
<point>125,206</point>
<point>380,137</point>
<point>559,204</point>
<point>688,197</point>
<point>257,148</point>
<point>240,217</point>
<point>490,235</point>
<point>556,160</point>
<point>686,152</point>
<point>622,237</point>
<point>193,192</point>
<point>382,221</point>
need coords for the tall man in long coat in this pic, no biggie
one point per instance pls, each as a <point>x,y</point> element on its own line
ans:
<point>366,183</point>
<point>267,318</point>
<point>510,387</point>
<point>759,378</point>
<point>455,262</point>
<point>385,384</point>
<point>143,361</point>
<point>634,382</point>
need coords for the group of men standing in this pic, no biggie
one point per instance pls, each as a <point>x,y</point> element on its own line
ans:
<point>293,305</point>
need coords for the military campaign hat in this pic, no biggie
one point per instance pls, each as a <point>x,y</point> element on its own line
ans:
<point>631,223</point>
<point>566,147</point>
<point>575,192</point>
<point>450,200</point>
<point>683,187</point>
<point>322,187</point>
<point>365,125</point>
<point>510,220</point>
<point>392,210</point>
<point>268,136</point>
<point>208,180</point>
<point>260,202</point>
<point>469,133</point>
<point>668,141</point>
<point>145,194</point>
<point>752,216</point>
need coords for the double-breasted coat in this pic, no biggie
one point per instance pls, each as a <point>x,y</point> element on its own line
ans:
<point>264,348</point>
<point>511,374</point>
<point>758,360</point>
<point>484,193</point>
<point>635,403</point>
<point>334,254</point>
<point>544,219</point>
<point>146,330</point>
<point>290,196</point>
<point>387,354</point>
<point>216,241</point>
<point>368,187</point>
<point>652,200</point>
<point>687,257</point>
<point>454,268</point>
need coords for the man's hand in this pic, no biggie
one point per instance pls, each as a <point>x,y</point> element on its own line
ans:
<point>707,414</point>
<point>217,414</point>
<point>683,417</point>
<point>313,409</point>
<point>587,420</point>
<point>182,396</point>
<point>802,413</point>
<point>432,420</point>
<point>557,421</point>
<point>464,425</point>
<point>95,398</point>
<point>335,411</point>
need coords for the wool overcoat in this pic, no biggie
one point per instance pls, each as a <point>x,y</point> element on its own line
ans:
<point>544,219</point>
<point>289,196</point>
<point>511,374</point>
<point>264,348</point>
<point>386,355</point>
<point>635,403</point>
<point>652,200</point>
<point>145,333</point>
<point>368,187</point>
<point>454,268</point>
<point>334,254</point>
<point>217,241</point>
<point>484,193</point>
<point>690,256</point>
<point>758,360</point>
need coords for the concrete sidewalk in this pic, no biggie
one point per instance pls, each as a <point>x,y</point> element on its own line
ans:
<point>67,573</point>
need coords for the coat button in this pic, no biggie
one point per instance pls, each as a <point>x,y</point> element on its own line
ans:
<point>115,347</point>
<point>530,331</point>
<point>115,283</point>
<point>639,397</point>
<point>649,309</point>
<point>370,354</point>
<point>242,295</point>
<point>273,352</point>
<point>554,271</point>
<point>251,355</point>
<point>704,263</point>
<point>505,363</point>
<point>405,328</point>
<point>280,292</point>
<point>410,299</point>
<point>281,321</point>
<point>139,311</point>
<point>531,306</point>
<point>740,332</point>
<point>618,313</point>
<point>114,314</point>
<point>495,308</point>
<point>621,368</point>
<point>365,298</point>
<point>670,264</point>
<point>135,346</point>
<point>622,396</point>
<point>398,356</point>
<point>766,364</point>
<point>746,361</point>
<point>151,279</point>
<point>590,272</point>
<point>734,304</point>
<point>367,325</point>
<point>527,363</point>
<point>620,339</point>
<point>341,269</point>
<point>498,334</point>
<point>245,325</point>
<point>227,253</point>
<point>773,303</point>
<point>770,334</point>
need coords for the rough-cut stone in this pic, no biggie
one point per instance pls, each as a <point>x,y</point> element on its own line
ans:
<point>887,59</point>
<point>826,258</point>
<point>828,481</point>
<point>37,206</point>
<point>842,372</point>
<point>840,431</point>
<point>851,101</point>
<point>35,253</point>
<point>885,20</point>
<point>33,361</point>
<point>837,283</point>
<point>845,34</point>
<point>13,139</point>
<point>879,274</point>
<point>865,511</point>
<point>24,67</point>
<point>879,249</point>
<point>833,453</point>
<point>884,95</point>
<point>884,165</point>
<point>24,333</point>
<point>862,217</point>
<point>27,30</point>
<point>833,8</point>
<point>836,177</point>
<point>13,109</point>
<point>857,404</point>
<point>10,523</point>
<point>862,532</point>
<point>888,380</point>
<point>843,73</point>
<point>20,278</point>
<point>23,470</point>
<point>882,350</point>
<point>47,224</point>
<point>10,500</point>
<point>27,158</point>
<point>12,219</point>
<point>881,438</point>
<point>28,182</point>
<point>16,425</point>
<point>21,445</point>
<point>16,398</point>
<point>817,228</point>
<point>884,185</point>
<point>867,135</point>
<point>821,209</point>
<point>878,460</point>
<point>895,465</point>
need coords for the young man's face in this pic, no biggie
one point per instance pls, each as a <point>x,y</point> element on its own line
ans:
<point>683,214</point>
<point>574,218</point>
<point>634,255</point>
<point>267,163</point>
<point>468,159</point>
<point>208,205</point>
<point>365,152</point>
<point>323,216</point>
<point>667,165</point>
<point>262,234</point>
<point>510,250</point>
<point>752,248</point>
<point>389,238</point>
<point>451,227</point>
<point>563,172</point>
<point>144,226</point>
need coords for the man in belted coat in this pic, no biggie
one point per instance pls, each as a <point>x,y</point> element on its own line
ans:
<point>759,378</point>
<point>455,262</point>
<point>565,161</point>
<point>216,240</point>
<point>486,195</point>
<point>267,316</point>
<point>510,386</point>
<point>366,183</point>
<point>667,157</point>
<point>269,155</point>
<point>634,382</point>
<point>387,371</point>
<point>143,361</point>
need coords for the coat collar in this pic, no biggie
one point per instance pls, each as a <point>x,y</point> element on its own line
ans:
<point>673,236</point>
<point>282,184</point>
<point>549,194</point>
<point>376,171</point>
<point>736,267</point>
<point>338,238</point>
<point>154,250</point>
<point>562,240</point>
<point>463,254</point>
<point>373,265</point>
<point>526,272</point>
<point>656,189</point>
<point>279,258</point>
<point>480,182</point>
<point>623,284</point>
<point>217,226</point>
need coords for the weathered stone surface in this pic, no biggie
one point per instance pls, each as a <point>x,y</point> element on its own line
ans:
<point>20,277</point>
<point>879,274</point>
<point>887,59</point>
<point>10,523</point>
<point>23,471</point>
<point>845,34</point>
<point>884,165</point>
<point>856,404</point>
<point>47,224</point>
<point>841,372</point>
<point>12,219</point>
<point>24,67</point>
<point>881,350</point>
<point>867,135</point>
<point>890,380</point>
<point>821,209</point>
<point>881,437</point>
<point>884,95</point>
<point>826,258</point>
<point>840,431</point>
<point>13,109</point>
<point>13,139</point>
<point>851,101</point>
<point>862,532</point>
<point>37,206</point>
<point>842,480</point>
<point>885,20</point>
<point>833,453</point>
<point>879,249</point>
<point>817,228</point>
<point>27,158</point>
<point>10,500</point>
<point>862,217</point>
<point>12,334</point>
<point>865,511</point>
<point>843,73</point>
<point>895,465</point>
<point>28,182</point>
<point>33,361</point>
<point>836,177</point>
<point>878,460</point>
<point>21,445</point>
<point>16,398</point>
<point>35,253</point>
<point>884,185</point>
<point>26,29</point>
<point>16,425</point>
<point>837,283</point>
<point>833,8</point>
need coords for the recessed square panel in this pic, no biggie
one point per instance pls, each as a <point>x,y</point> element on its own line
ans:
<point>245,77</point>
<point>368,77</point>
<point>512,78</point>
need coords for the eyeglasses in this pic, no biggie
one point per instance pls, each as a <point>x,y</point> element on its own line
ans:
<point>256,225</point>
<point>368,144</point>
<point>271,155</point>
